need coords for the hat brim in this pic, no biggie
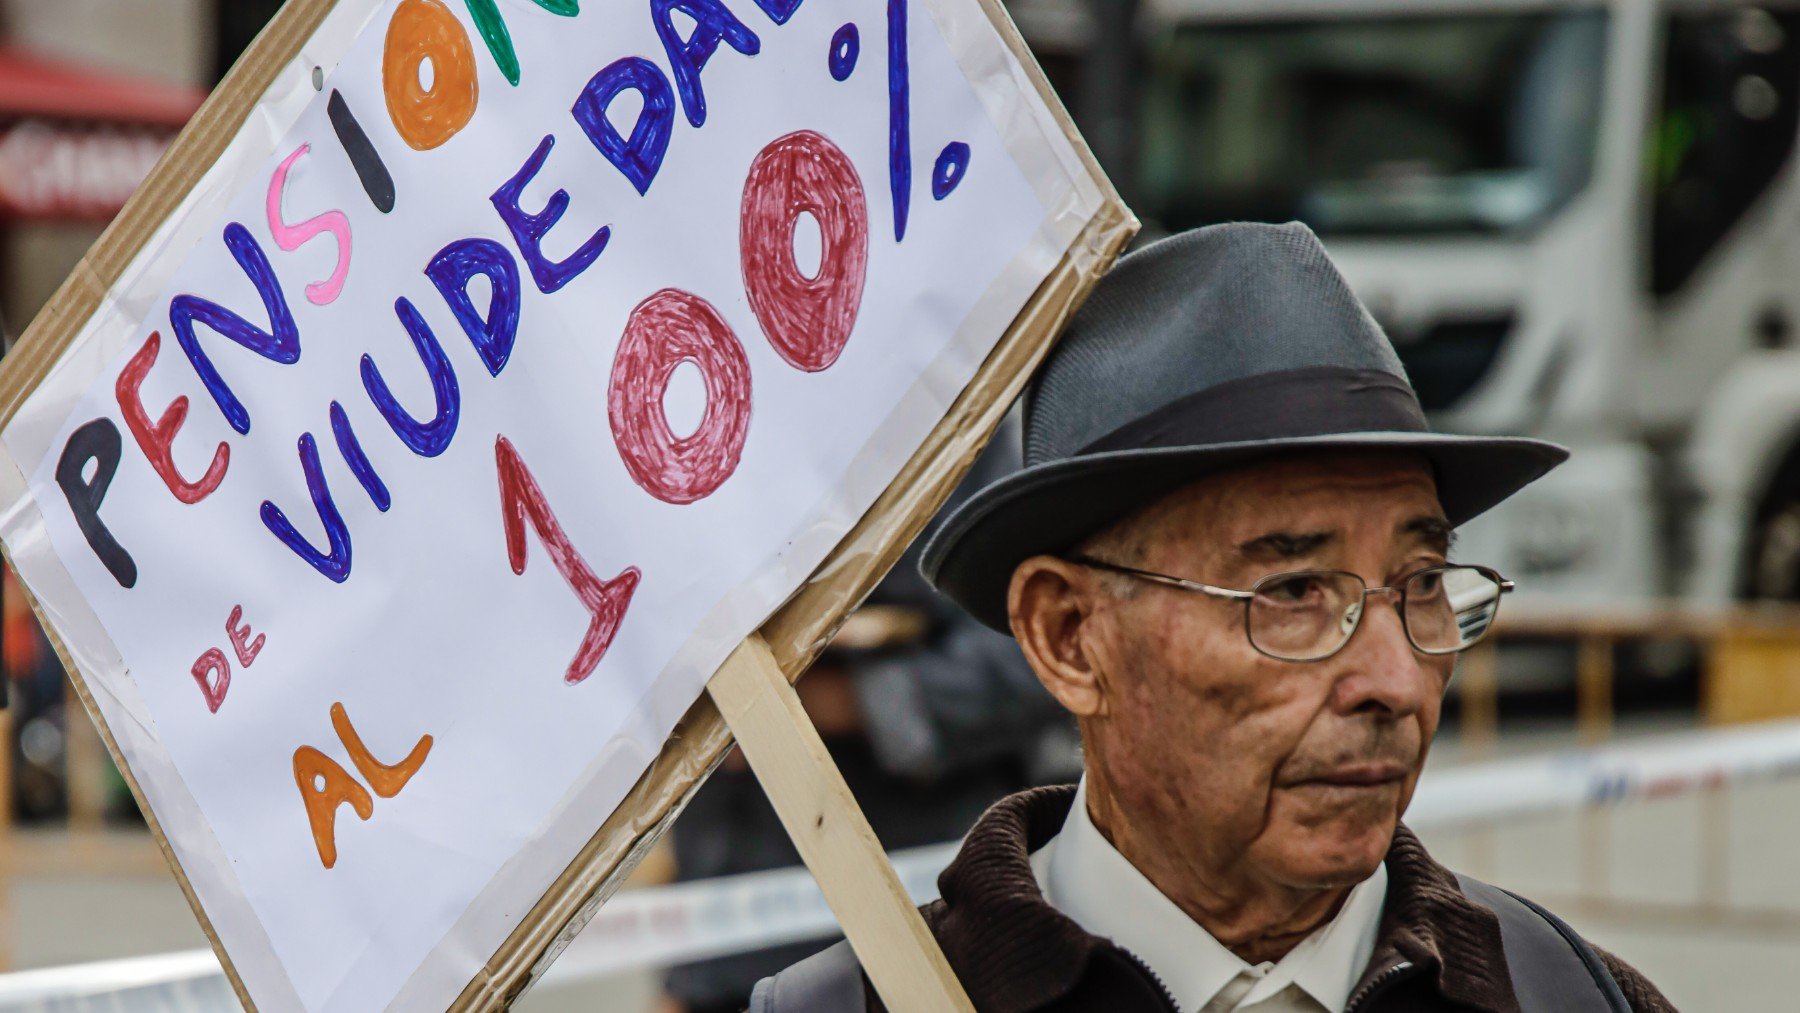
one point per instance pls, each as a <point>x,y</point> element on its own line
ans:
<point>1052,507</point>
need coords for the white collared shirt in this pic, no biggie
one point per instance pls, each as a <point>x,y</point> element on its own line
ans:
<point>1084,876</point>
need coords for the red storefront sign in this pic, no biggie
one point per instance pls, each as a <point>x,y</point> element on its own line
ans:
<point>74,142</point>
<point>53,170</point>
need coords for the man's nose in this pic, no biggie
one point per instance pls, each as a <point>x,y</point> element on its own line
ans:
<point>1382,670</point>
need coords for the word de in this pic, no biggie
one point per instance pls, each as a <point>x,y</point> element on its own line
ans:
<point>213,672</point>
<point>325,785</point>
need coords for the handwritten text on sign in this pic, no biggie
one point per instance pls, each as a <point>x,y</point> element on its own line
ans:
<point>641,293</point>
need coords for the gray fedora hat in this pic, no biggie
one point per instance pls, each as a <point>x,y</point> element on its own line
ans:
<point>1213,348</point>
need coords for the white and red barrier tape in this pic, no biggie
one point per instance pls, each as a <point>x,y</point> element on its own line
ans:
<point>675,924</point>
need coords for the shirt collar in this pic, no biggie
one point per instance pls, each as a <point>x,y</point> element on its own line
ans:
<point>1084,876</point>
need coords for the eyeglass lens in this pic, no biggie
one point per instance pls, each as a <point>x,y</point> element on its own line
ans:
<point>1310,615</point>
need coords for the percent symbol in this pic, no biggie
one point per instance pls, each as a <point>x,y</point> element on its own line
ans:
<point>952,162</point>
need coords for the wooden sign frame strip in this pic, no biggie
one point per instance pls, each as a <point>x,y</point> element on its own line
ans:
<point>794,635</point>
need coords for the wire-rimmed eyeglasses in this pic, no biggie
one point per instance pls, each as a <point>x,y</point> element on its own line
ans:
<point>1309,615</point>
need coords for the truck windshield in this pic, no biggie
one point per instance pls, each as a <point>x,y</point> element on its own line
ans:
<point>1470,122</point>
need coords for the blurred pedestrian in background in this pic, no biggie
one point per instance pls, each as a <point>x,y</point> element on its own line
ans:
<point>931,716</point>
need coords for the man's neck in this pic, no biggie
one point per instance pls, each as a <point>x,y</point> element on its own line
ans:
<point>1257,921</point>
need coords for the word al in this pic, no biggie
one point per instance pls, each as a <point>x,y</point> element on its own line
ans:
<point>325,785</point>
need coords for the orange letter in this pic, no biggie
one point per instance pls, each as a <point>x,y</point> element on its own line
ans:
<point>323,787</point>
<point>155,440</point>
<point>387,781</point>
<point>424,34</point>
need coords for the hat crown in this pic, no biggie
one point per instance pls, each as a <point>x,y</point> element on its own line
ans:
<point>1207,351</point>
<point>1186,314</point>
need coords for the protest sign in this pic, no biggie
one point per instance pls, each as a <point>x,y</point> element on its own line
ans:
<point>465,387</point>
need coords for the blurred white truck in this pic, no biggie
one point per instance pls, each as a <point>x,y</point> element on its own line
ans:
<point>1577,220</point>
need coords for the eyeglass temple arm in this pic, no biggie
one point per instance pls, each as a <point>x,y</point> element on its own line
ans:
<point>1165,579</point>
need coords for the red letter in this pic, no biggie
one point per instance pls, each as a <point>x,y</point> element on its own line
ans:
<point>213,663</point>
<point>664,331</point>
<point>386,780</point>
<point>808,320</point>
<point>240,637</point>
<point>521,499</point>
<point>323,787</point>
<point>155,440</point>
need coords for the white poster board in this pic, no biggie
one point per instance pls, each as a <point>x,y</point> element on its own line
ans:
<point>409,483</point>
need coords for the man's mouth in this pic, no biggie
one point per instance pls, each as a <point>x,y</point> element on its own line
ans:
<point>1356,775</point>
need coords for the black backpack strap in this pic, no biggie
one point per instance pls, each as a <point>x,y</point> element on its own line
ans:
<point>830,981</point>
<point>1552,968</point>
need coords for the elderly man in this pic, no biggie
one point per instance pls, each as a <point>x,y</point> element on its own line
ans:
<point>1228,557</point>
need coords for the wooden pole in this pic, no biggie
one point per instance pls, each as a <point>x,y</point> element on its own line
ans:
<point>808,792</point>
<point>1594,690</point>
<point>1593,721</point>
<point>1478,684</point>
<point>84,767</point>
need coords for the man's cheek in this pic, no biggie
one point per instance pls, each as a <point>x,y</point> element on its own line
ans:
<point>1276,733</point>
<point>1227,694</point>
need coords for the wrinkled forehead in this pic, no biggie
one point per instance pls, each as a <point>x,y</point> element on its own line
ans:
<point>1374,492</point>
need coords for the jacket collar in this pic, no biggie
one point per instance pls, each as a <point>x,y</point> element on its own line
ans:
<point>1430,923</point>
<point>1013,951</point>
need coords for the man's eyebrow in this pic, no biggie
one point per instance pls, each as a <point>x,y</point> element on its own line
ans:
<point>1286,544</point>
<point>1434,530</point>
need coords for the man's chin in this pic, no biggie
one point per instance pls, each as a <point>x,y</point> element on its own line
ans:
<point>1332,854</point>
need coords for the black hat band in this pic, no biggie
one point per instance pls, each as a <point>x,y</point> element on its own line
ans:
<point>1283,405</point>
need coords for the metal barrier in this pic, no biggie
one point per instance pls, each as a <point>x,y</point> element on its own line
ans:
<point>659,926</point>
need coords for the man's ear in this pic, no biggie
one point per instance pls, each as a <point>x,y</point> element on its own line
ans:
<point>1048,603</point>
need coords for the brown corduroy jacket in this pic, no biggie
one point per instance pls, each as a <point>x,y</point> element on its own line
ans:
<point>1437,950</point>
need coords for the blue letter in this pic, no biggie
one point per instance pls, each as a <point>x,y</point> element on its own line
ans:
<point>528,230</point>
<point>351,448</point>
<point>427,439</point>
<point>280,342</point>
<point>899,117</point>
<point>712,22</point>
<point>640,156</point>
<point>336,563</point>
<point>779,10</point>
<point>451,270</point>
